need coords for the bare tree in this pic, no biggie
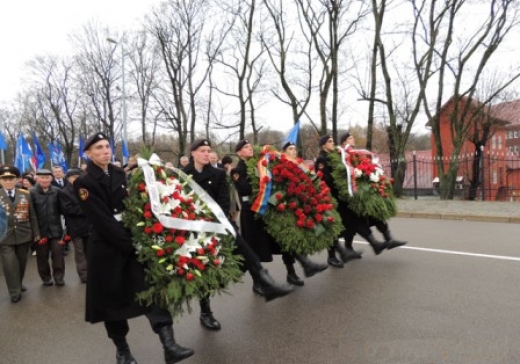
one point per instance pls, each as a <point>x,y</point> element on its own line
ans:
<point>292,58</point>
<point>243,61</point>
<point>180,31</point>
<point>145,63</point>
<point>330,23</point>
<point>99,73</point>
<point>461,60</point>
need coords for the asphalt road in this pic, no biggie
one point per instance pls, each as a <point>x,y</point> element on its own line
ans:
<point>450,296</point>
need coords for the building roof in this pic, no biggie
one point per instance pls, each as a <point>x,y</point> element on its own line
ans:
<point>509,111</point>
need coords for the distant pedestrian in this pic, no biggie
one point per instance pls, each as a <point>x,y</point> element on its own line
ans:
<point>45,200</point>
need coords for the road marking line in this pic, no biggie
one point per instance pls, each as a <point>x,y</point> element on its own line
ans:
<point>452,252</point>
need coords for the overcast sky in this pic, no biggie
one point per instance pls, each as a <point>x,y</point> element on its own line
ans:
<point>34,27</point>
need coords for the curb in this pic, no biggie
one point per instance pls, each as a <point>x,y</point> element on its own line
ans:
<point>462,217</point>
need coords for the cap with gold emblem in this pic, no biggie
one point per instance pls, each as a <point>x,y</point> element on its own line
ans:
<point>7,171</point>
<point>199,143</point>
<point>93,139</point>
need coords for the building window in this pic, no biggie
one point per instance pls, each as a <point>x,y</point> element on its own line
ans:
<point>499,142</point>
<point>495,177</point>
<point>510,149</point>
<point>516,149</point>
<point>493,142</point>
<point>516,134</point>
<point>510,134</point>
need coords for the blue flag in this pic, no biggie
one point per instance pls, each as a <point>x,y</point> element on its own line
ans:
<point>126,154</point>
<point>23,155</point>
<point>61,157</point>
<point>3,144</point>
<point>81,152</point>
<point>38,153</point>
<point>57,156</point>
<point>293,134</point>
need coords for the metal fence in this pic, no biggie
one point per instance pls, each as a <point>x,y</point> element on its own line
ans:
<point>498,178</point>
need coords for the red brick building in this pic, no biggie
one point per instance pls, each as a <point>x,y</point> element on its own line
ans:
<point>501,152</point>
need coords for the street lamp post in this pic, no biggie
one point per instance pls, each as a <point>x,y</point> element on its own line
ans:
<point>125,130</point>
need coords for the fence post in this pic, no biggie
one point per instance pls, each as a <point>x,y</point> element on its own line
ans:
<point>482,164</point>
<point>414,176</point>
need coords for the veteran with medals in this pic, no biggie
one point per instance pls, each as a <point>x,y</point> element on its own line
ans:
<point>21,230</point>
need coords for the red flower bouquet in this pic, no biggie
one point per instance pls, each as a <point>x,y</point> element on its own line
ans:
<point>370,192</point>
<point>183,238</point>
<point>295,204</point>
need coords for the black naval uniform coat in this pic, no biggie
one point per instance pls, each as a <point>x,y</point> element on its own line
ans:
<point>351,221</point>
<point>214,182</point>
<point>252,229</point>
<point>115,275</point>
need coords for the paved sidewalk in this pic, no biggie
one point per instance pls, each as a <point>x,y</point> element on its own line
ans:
<point>434,208</point>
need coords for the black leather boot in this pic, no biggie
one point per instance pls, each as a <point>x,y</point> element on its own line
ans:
<point>349,253</point>
<point>257,287</point>
<point>123,354</point>
<point>391,242</point>
<point>206,316</point>
<point>292,278</point>
<point>332,259</point>
<point>377,246</point>
<point>270,288</point>
<point>310,268</point>
<point>173,353</point>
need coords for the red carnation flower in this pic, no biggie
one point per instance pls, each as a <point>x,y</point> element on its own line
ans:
<point>309,223</point>
<point>293,205</point>
<point>141,186</point>
<point>147,206</point>
<point>180,239</point>
<point>264,163</point>
<point>169,250</point>
<point>300,223</point>
<point>216,262</point>
<point>160,252</point>
<point>278,196</point>
<point>147,230</point>
<point>318,217</point>
<point>272,157</point>
<point>180,271</point>
<point>190,277</point>
<point>168,238</point>
<point>280,207</point>
<point>157,228</point>
<point>200,251</point>
<point>147,214</point>
<point>265,179</point>
<point>330,219</point>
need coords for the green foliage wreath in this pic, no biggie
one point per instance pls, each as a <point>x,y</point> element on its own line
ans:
<point>180,265</point>
<point>301,214</point>
<point>373,196</point>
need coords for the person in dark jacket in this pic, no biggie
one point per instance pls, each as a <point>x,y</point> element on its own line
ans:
<point>253,229</point>
<point>214,182</point>
<point>114,274</point>
<point>351,221</point>
<point>77,225</point>
<point>45,201</point>
<point>58,179</point>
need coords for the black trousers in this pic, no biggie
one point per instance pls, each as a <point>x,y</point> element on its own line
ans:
<point>157,316</point>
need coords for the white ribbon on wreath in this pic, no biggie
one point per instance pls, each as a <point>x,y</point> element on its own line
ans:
<point>222,227</point>
<point>344,161</point>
